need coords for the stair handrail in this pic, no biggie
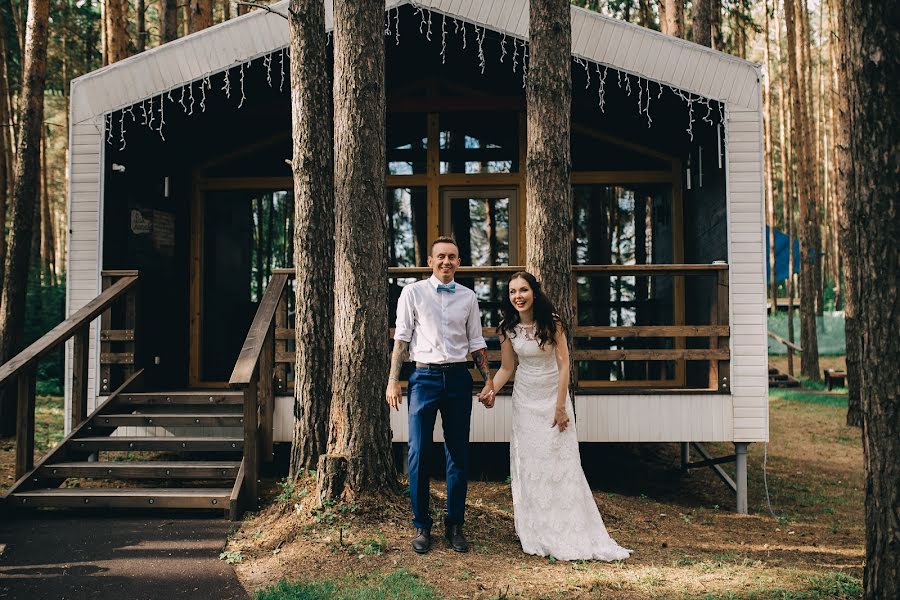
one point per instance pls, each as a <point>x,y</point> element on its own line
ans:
<point>253,374</point>
<point>788,344</point>
<point>23,366</point>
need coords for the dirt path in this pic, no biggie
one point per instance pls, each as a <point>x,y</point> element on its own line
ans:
<point>118,556</point>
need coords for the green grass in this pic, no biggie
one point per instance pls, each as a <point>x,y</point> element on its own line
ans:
<point>48,422</point>
<point>399,585</point>
<point>798,395</point>
<point>830,586</point>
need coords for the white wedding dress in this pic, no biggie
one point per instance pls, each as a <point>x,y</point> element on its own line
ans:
<point>555,511</point>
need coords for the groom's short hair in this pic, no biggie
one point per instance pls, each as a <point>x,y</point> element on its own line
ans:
<point>444,239</point>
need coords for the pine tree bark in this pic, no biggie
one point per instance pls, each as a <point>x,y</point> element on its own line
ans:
<point>313,232</point>
<point>25,190</point>
<point>168,20</point>
<point>675,18</point>
<point>116,30</point>
<point>661,6</point>
<point>359,459</point>
<point>201,15</point>
<point>769,163</point>
<point>6,147</point>
<point>701,22</point>
<point>843,190</point>
<point>548,162</point>
<point>873,258</point>
<point>808,220</point>
<point>141,17</point>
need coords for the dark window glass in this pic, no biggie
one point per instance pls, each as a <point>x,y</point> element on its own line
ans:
<point>407,143</point>
<point>479,142</point>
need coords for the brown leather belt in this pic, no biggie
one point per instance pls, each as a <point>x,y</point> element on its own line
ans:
<point>442,366</point>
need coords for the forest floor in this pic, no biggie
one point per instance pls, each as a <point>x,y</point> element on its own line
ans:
<point>687,540</point>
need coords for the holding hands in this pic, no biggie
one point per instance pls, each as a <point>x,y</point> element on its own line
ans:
<point>487,395</point>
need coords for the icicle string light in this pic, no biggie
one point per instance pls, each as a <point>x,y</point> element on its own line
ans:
<point>108,122</point>
<point>187,100</point>
<point>162,117</point>
<point>444,39</point>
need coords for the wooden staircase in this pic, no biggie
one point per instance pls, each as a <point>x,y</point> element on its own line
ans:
<point>777,379</point>
<point>148,449</point>
<point>179,449</point>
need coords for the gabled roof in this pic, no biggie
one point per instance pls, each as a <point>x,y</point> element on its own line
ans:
<point>597,38</point>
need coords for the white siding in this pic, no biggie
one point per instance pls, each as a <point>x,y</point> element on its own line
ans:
<point>83,254</point>
<point>749,382</point>
<point>607,418</point>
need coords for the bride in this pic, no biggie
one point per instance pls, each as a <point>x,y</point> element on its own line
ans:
<point>555,512</point>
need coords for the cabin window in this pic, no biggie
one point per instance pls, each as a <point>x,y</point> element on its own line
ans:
<point>479,142</point>
<point>407,143</point>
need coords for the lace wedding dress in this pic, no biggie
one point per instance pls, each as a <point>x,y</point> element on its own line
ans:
<point>555,512</point>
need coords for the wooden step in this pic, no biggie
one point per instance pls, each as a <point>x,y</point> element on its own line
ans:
<point>125,498</point>
<point>210,398</point>
<point>171,444</point>
<point>143,470</point>
<point>192,419</point>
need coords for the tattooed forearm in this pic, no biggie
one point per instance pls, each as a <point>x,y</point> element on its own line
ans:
<point>481,363</point>
<point>398,357</point>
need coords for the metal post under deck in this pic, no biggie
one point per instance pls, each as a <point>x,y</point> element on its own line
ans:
<point>740,452</point>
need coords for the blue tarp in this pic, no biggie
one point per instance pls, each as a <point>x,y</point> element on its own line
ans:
<point>782,260</point>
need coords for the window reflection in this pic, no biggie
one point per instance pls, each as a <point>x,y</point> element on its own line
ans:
<point>479,142</point>
<point>623,225</point>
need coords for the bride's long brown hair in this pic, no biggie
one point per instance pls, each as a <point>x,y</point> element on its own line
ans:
<point>544,314</point>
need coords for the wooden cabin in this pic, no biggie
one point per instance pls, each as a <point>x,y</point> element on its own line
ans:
<point>179,172</point>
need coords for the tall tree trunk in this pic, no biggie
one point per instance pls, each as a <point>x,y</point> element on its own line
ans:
<point>811,137</point>
<point>226,10</point>
<point>12,305</point>
<point>808,225</point>
<point>701,22</point>
<point>716,25</point>
<point>116,30</point>
<point>168,20</point>
<point>140,14</point>
<point>359,459</point>
<point>787,182</point>
<point>313,168</point>
<point>661,5</point>
<point>6,147</point>
<point>645,15</point>
<point>769,166</point>
<point>548,185</point>
<point>675,18</point>
<point>843,190</point>
<point>873,257</point>
<point>201,15</point>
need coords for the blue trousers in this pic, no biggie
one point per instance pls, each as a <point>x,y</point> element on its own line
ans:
<point>448,391</point>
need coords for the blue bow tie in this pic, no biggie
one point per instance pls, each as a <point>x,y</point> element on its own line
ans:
<point>447,287</point>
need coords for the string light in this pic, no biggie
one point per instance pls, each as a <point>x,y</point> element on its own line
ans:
<point>425,23</point>
<point>162,117</point>
<point>108,120</point>
<point>444,39</point>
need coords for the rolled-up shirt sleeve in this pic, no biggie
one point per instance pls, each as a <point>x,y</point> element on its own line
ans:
<point>473,327</point>
<point>406,316</point>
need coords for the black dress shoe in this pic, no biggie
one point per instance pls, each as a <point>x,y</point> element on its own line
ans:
<point>454,536</point>
<point>422,542</point>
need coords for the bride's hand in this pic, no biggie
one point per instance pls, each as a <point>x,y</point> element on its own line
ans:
<point>561,418</point>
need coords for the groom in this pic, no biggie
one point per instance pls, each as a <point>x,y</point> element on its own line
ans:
<point>438,324</point>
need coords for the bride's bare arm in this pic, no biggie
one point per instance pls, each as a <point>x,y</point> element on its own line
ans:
<point>562,362</point>
<point>507,363</point>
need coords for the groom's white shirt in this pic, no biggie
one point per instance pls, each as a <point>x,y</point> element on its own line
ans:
<point>440,327</point>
